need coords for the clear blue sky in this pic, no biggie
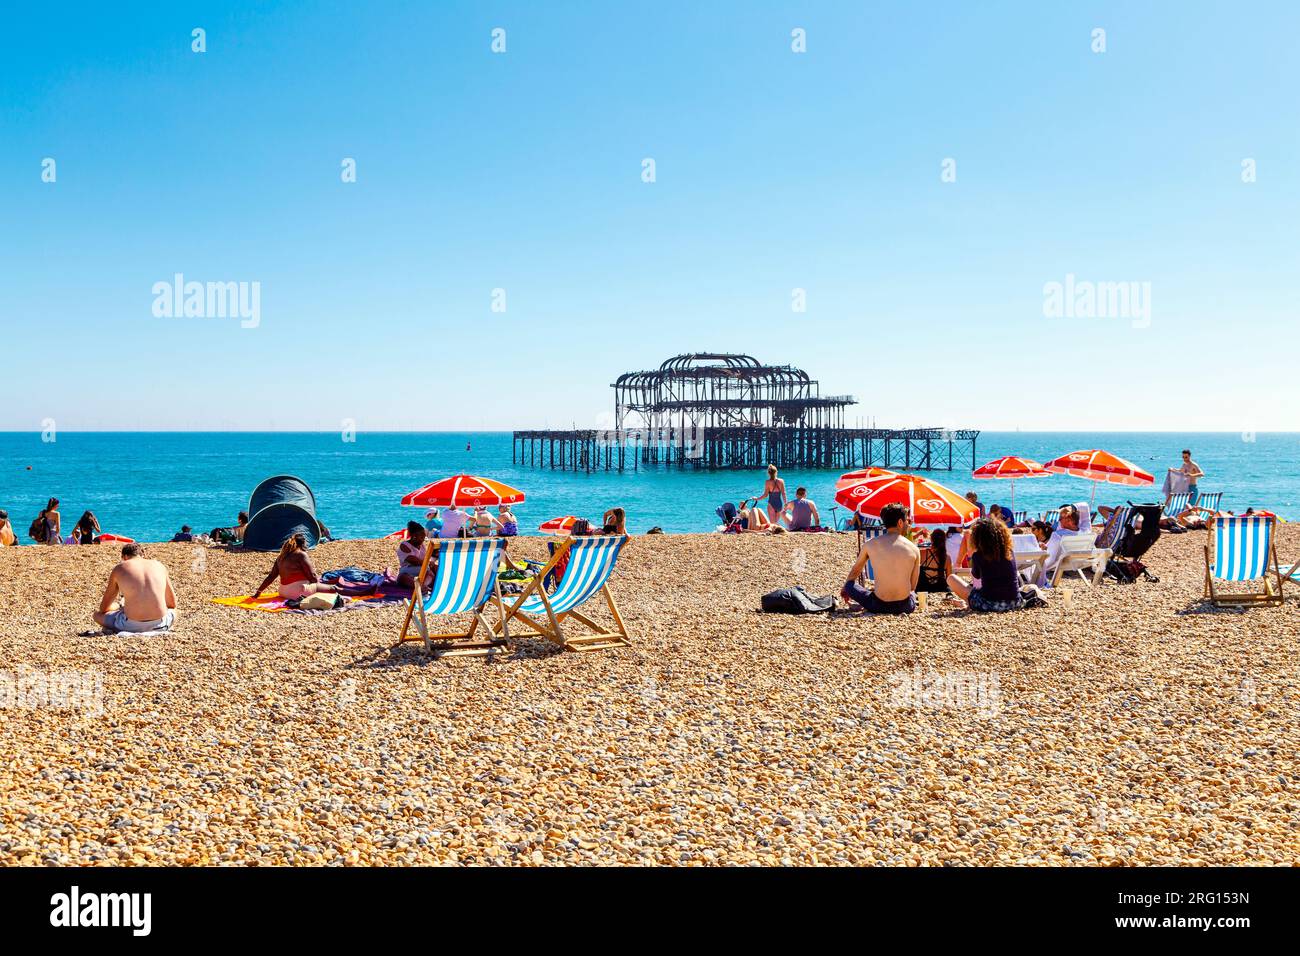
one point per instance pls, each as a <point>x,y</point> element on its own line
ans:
<point>522,171</point>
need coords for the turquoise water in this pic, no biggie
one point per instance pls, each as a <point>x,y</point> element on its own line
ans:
<point>146,485</point>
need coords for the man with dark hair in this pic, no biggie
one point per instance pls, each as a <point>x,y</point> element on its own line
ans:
<point>895,565</point>
<point>148,602</point>
<point>1193,472</point>
<point>801,514</point>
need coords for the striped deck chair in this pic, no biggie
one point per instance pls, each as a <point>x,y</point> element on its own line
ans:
<point>466,580</point>
<point>1053,518</point>
<point>590,562</point>
<point>865,535</point>
<point>1210,503</point>
<point>1177,504</point>
<point>1113,530</point>
<point>1242,549</point>
<point>1019,517</point>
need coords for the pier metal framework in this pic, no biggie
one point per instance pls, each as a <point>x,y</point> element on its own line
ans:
<point>718,410</point>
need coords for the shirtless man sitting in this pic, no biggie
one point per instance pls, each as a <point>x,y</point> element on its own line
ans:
<point>148,601</point>
<point>895,564</point>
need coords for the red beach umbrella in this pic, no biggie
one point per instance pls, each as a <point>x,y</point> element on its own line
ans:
<point>107,538</point>
<point>927,501</point>
<point>399,535</point>
<point>850,478</point>
<point>558,525</point>
<point>1096,465</point>
<point>463,491</point>
<point>1011,467</point>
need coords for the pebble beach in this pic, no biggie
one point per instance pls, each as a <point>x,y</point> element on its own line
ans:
<point>1127,725</point>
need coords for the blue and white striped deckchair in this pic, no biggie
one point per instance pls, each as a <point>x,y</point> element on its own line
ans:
<point>464,583</point>
<point>1177,504</point>
<point>1113,530</point>
<point>1020,517</point>
<point>590,562</point>
<point>1053,518</point>
<point>1242,549</point>
<point>1210,503</point>
<point>865,535</point>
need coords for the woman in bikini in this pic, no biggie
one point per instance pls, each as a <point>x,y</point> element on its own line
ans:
<point>87,528</point>
<point>53,523</point>
<point>774,488</point>
<point>297,577</point>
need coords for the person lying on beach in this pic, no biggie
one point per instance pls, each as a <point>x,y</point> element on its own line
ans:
<point>410,558</point>
<point>297,577</point>
<point>752,517</point>
<point>994,583</point>
<point>614,521</point>
<point>895,563</point>
<point>7,537</point>
<point>184,535</point>
<point>801,514</point>
<point>148,602</point>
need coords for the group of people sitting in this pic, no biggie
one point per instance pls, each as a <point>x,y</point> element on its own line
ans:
<point>47,528</point>
<point>984,553</point>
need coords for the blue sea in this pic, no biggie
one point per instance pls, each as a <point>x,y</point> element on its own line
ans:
<point>146,485</point>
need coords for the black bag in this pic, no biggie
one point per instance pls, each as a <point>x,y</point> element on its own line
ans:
<point>796,601</point>
<point>1127,572</point>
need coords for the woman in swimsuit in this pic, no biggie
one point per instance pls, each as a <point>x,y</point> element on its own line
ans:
<point>935,563</point>
<point>614,522</point>
<point>297,577</point>
<point>52,523</point>
<point>87,528</point>
<point>774,488</point>
<point>484,523</point>
<point>509,524</point>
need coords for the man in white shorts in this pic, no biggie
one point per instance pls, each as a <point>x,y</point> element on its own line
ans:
<point>148,601</point>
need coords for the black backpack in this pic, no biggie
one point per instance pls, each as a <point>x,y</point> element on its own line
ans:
<point>796,601</point>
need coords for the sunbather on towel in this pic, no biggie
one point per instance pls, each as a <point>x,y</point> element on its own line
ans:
<point>148,601</point>
<point>297,577</point>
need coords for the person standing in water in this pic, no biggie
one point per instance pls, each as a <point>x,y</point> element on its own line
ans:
<point>774,488</point>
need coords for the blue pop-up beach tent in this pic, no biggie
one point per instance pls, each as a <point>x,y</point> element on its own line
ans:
<point>279,508</point>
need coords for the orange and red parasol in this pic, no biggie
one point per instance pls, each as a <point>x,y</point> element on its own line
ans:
<point>1009,468</point>
<point>463,491</point>
<point>1096,466</point>
<point>927,501</point>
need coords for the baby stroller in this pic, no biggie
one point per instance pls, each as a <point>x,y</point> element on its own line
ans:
<point>730,516</point>
<point>1131,543</point>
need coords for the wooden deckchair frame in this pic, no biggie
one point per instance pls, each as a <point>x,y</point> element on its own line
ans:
<point>1248,598</point>
<point>552,629</point>
<point>458,643</point>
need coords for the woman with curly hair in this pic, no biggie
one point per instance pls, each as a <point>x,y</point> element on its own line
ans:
<point>994,583</point>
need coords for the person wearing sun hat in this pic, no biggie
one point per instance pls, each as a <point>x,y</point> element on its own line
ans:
<point>432,524</point>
